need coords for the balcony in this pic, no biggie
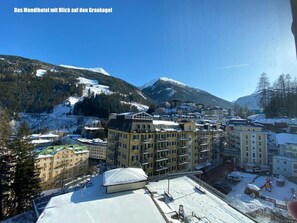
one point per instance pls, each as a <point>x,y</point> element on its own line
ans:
<point>183,139</point>
<point>145,141</point>
<point>182,155</point>
<point>145,151</point>
<point>162,140</point>
<point>162,150</point>
<point>144,162</point>
<point>160,168</point>
<point>183,163</point>
<point>161,159</point>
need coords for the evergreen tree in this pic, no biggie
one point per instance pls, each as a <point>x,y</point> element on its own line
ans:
<point>6,168</point>
<point>26,181</point>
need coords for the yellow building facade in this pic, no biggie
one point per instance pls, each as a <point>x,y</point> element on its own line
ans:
<point>251,141</point>
<point>159,147</point>
<point>60,164</point>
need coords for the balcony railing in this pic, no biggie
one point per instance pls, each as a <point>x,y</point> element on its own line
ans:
<point>182,155</point>
<point>161,159</point>
<point>183,163</point>
<point>160,168</point>
<point>162,150</point>
<point>144,162</point>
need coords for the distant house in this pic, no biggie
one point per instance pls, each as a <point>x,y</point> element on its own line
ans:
<point>123,179</point>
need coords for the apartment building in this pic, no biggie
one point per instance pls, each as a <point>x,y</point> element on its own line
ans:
<point>286,164</point>
<point>159,147</point>
<point>251,141</point>
<point>97,147</point>
<point>60,164</point>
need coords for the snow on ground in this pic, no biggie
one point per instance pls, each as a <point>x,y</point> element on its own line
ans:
<point>92,204</point>
<point>139,92</point>
<point>250,204</point>
<point>247,203</point>
<point>278,193</point>
<point>40,72</point>
<point>263,120</point>
<point>97,70</point>
<point>93,86</point>
<point>53,122</point>
<point>139,106</point>
<point>205,206</point>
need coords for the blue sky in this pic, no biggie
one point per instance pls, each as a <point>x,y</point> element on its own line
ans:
<point>220,46</point>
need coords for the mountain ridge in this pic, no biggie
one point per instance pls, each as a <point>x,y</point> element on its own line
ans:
<point>167,89</point>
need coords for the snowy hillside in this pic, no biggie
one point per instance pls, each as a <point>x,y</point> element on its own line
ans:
<point>97,70</point>
<point>61,118</point>
<point>93,86</point>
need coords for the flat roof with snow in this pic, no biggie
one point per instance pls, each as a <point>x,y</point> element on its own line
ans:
<point>92,205</point>
<point>286,138</point>
<point>123,176</point>
<point>205,206</point>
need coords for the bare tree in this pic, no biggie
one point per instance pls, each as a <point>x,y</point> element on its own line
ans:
<point>263,89</point>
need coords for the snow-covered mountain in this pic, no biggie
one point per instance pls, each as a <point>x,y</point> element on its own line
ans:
<point>97,70</point>
<point>152,82</point>
<point>249,101</point>
<point>166,89</point>
<point>47,93</point>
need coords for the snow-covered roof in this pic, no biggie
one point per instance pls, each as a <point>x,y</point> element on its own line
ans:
<point>92,128</point>
<point>94,205</point>
<point>123,176</point>
<point>40,141</point>
<point>168,123</point>
<point>253,187</point>
<point>286,138</point>
<point>203,205</point>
